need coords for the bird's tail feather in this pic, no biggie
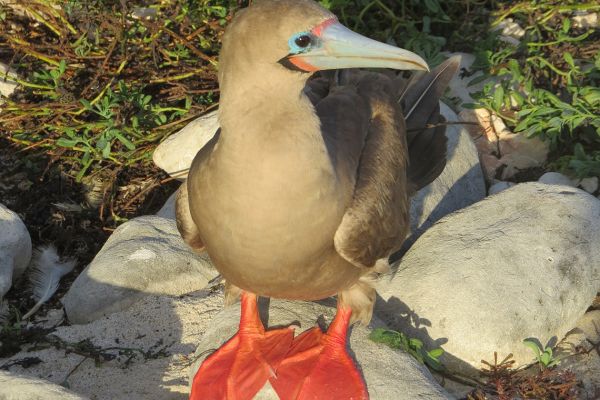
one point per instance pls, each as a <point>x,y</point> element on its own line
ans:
<point>420,103</point>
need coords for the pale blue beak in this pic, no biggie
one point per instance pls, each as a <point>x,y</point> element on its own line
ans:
<point>338,47</point>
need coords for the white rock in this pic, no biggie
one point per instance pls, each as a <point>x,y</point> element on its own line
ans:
<point>15,248</point>
<point>19,387</point>
<point>165,329</point>
<point>501,150</point>
<point>389,374</point>
<point>459,185</point>
<point>143,256</point>
<point>555,178</point>
<point>7,85</point>
<point>590,185</point>
<point>585,21</point>
<point>499,186</point>
<point>523,263</point>
<point>176,153</point>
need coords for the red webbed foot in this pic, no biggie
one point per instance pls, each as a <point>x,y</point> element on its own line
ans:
<point>318,366</point>
<point>242,366</point>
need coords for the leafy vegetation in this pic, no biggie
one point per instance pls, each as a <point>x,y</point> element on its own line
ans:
<point>103,85</point>
<point>547,84</point>
<point>413,346</point>
<point>543,354</point>
<point>426,27</point>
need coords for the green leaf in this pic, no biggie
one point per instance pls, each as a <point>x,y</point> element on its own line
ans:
<point>542,111</point>
<point>106,150</point>
<point>416,343</point>
<point>125,141</point>
<point>477,80</point>
<point>86,157</point>
<point>569,59</point>
<point>566,25</point>
<point>63,142</point>
<point>517,98</point>
<point>498,98</point>
<point>432,5</point>
<point>533,346</point>
<point>436,353</point>
<point>101,143</point>
<point>85,103</point>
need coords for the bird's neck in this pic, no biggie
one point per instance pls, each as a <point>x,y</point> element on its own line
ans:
<point>263,106</point>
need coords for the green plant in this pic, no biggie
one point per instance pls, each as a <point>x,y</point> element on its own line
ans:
<point>104,93</point>
<point>413,346</point>
<point>425,27</point>
<point>543,354</point>
<point>547,85</point>
<point>581,163</point>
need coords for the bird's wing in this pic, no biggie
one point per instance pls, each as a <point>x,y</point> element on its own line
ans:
<point>365,129</point>
<point>183,217</point>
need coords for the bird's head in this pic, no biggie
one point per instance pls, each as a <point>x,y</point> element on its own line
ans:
<point>301,36</point>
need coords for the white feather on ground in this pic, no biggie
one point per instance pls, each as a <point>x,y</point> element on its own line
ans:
<point>46,271</point>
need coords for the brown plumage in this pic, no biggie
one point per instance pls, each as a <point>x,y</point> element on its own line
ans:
<point>304,192</point>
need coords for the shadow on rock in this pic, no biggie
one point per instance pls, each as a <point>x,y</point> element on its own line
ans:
<point>400,317</point>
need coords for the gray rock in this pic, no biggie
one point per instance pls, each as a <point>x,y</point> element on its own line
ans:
<point>145,255</point>
<point>524,263</point>
<point>555,178</point>
<point>389,374</point>
<point>15,248</point>
<point>168,209</point>
<point>579,353</point>
<point>176,153</point>
<point>590,185</point>
<point>499,186</point>
<point>460,86</point>
<point>18,387</point>
<point>459,185</point>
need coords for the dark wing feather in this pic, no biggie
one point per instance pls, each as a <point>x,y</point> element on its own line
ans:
<point>364,130</point>
<point>390,164</point>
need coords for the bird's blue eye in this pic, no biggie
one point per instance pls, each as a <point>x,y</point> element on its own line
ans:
<point>301,42</point>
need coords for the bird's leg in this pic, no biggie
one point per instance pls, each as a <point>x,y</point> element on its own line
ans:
<point>242,366</point>
<point>318,365</point>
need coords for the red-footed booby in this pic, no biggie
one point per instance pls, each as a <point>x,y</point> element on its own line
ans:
<point>304,192</point>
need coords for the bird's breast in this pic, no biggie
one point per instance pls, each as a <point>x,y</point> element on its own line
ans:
<point>268,216</point>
